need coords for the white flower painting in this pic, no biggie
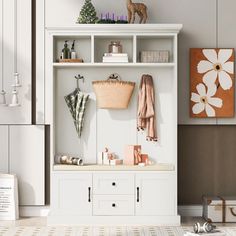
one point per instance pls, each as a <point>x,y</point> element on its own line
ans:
<point>217,65</point>
<point>212,83</point>
<point>204,100</point>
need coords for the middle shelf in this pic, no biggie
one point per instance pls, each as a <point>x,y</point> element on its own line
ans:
<point>101,64</point>
<point>144,50</point>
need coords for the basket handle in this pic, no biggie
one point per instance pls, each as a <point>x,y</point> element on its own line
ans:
<point>114,76</point>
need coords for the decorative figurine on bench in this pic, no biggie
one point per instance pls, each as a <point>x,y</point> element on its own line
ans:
<point>139,8</point>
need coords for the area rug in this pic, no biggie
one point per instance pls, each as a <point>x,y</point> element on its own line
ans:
<point>101,231</point>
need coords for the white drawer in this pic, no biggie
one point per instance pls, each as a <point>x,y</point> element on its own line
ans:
<point>113,184</point>
<point>113,205</point>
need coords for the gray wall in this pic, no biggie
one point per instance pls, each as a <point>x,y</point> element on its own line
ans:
<point>206,153</point>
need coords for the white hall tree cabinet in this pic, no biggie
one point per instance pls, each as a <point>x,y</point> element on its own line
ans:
<point>114,190</point>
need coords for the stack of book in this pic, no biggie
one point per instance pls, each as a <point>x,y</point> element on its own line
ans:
<point>115,57</point>
<point>213,233</point>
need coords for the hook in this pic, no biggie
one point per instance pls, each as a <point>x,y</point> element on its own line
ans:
<point>79,77</point>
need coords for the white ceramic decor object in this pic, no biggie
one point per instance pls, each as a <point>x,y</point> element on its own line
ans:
<point>14,100</point>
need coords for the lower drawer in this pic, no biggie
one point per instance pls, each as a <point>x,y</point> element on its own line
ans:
<point>113,205</point>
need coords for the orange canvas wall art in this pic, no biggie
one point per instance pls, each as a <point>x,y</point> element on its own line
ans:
<point>211,83</point>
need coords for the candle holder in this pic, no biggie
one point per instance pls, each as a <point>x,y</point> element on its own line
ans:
<point>3,101</point>
<point>115,47</point>
<point>15,100</point>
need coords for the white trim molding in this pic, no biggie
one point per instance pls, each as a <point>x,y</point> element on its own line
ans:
<point>34,211</point>
<point>37,211</point>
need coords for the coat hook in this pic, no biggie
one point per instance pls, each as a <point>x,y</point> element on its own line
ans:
<point>79,77</point>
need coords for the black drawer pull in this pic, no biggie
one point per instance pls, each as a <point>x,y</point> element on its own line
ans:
<point>113,205</point>
<point>89,194</point>
<point>137,194</point>
<point>113,184</point>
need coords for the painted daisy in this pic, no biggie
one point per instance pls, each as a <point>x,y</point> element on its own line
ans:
<point>217,65</point>
<point>204,100</point>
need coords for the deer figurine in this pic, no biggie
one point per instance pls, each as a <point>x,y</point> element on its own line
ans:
<point>139,8</point>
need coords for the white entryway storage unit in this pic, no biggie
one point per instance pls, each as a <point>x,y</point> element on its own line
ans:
<point>112,195</point>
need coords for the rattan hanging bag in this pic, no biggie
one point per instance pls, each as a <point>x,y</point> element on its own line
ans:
<point>113,93</point>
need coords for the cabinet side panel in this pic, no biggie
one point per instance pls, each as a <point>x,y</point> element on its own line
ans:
<point>40,75</point>
<point>24,59</point>
<point>27,149</point>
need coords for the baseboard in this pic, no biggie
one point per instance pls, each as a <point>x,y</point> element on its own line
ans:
<point>34,211</point>
<point>190,210</point>
<point>37,211</point>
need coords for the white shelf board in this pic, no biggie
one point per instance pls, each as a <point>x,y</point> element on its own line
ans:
<point>59,65</point>
<point>156,167</point>
<point>117,28</point>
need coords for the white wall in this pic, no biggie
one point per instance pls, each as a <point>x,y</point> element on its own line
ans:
<point>206,24</point>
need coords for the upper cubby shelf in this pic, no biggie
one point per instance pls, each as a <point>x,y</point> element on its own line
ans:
<point>102,42</point>
<point>155,46</point>
<point>159,48</point>
<point>82,46</point>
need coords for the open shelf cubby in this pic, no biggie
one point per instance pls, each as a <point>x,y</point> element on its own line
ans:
<point>82,47</point>
<point>155,43</point>
<point>101,44</point>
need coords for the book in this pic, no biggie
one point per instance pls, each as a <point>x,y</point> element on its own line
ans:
<point>115,59</point>
<point>213,233</point>
<point>115,54</point>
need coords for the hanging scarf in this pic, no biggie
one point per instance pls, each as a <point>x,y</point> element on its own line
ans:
<point>146,108</point>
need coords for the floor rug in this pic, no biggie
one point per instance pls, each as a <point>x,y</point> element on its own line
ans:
<point>101,231</point>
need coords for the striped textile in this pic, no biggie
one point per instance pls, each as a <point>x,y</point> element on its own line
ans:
<point>101,231</point>
<point>76,102</point>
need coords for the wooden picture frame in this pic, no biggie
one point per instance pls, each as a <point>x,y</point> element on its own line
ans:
<point>212,83</point>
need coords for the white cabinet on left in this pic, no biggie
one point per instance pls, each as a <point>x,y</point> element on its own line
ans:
<point>72,194</point>
<point>16,56</point>
<point>3,149</point>
<point>27,161</point>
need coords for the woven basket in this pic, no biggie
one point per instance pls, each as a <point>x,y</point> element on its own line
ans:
<point>113,93</point>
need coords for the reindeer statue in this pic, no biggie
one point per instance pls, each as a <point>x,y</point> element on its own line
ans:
<point>139,8</point>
